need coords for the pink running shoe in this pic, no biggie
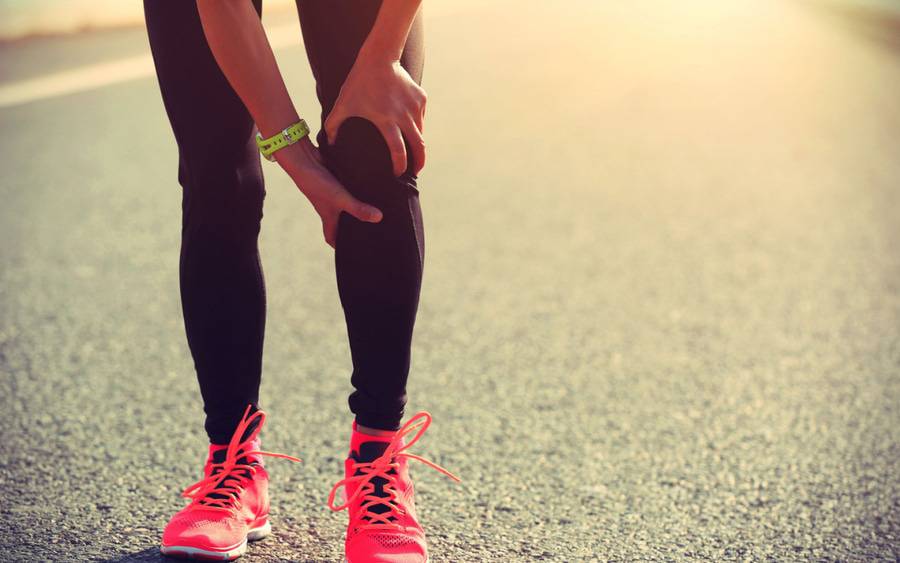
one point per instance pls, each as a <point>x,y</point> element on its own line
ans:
<point>379,495</point>
<point>230,505</point>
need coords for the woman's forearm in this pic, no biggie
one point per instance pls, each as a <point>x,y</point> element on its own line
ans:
<point>238,42</point>
<point>388,35</point>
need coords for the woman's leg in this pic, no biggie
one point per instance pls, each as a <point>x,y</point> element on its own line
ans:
<point>222,288</point>
<point>379,265</point>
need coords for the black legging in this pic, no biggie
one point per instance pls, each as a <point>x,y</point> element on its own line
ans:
<point>379,265</point>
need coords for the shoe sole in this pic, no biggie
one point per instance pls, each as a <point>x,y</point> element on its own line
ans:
<point>227,554</point>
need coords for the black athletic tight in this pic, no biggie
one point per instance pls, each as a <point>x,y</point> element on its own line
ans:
<point>379,265</point>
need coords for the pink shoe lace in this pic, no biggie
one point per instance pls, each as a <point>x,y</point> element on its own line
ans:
<point>385,466</point>
<point>221,490</point>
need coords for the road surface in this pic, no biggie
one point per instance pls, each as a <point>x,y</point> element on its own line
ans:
<point>660,316</point>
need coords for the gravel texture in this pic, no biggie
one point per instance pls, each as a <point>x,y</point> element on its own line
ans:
<point>660,320</point>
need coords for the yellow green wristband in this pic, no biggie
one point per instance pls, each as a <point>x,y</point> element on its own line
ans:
<point>282,139</point>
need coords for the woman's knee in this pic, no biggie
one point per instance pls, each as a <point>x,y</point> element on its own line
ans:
<point>361,160</point>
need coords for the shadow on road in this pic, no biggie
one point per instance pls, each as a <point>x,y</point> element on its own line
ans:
<point>153,554</point>
<point>149,554</point>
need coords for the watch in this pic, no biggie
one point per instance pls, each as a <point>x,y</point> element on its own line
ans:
<point>283,138</point>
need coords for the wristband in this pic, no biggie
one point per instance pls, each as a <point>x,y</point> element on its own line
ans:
<point>281,139</point>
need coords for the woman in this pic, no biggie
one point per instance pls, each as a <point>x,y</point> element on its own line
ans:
<point>227,102</point>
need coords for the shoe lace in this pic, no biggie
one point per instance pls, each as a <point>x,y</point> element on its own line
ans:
<point>221,489</point>
<point>384,467</point>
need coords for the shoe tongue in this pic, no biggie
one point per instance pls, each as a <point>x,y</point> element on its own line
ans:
<point>218,456</point>
<point>368,452</point>
<point>218,452</point>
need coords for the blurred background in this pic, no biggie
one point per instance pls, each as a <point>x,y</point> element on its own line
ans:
<point>661,309</point>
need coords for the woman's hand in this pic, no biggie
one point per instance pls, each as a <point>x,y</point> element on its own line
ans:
<point>303,163</point>
<point>380,90</point>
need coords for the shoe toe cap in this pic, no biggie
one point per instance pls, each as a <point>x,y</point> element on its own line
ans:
<point>385,547</point>
<point>203,532</point>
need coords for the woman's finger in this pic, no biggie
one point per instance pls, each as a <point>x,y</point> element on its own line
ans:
<point>418,118</point>
<point>362,211</point>
<point>330,232</point>
<point>394,139</point>
<point>420,115</point>
<point>416,145</point>
<point>333,123</point>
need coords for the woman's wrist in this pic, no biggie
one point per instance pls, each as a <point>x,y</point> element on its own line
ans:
<point>298,158</point>
<point>378,55</point>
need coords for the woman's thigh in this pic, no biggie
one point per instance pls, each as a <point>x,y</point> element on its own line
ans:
<point>334,31</point>
<point>214,131</point>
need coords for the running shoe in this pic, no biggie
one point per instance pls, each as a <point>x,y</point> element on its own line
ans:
<point>230,505</point>
<point>379,495</point>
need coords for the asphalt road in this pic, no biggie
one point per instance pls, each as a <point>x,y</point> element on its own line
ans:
<point>660,319</point>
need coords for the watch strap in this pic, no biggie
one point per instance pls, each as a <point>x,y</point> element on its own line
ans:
<point>282,139</point>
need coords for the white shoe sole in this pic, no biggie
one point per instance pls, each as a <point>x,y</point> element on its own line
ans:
<point>227,554</point>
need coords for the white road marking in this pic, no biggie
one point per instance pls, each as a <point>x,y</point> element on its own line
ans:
<point>94,76</point>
